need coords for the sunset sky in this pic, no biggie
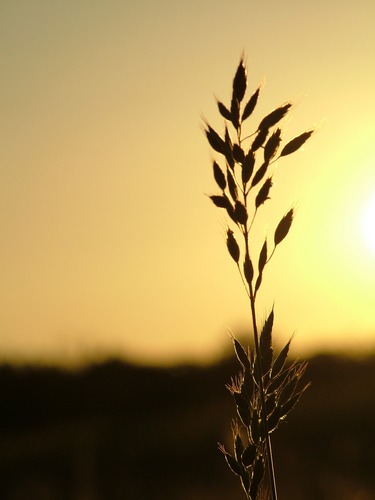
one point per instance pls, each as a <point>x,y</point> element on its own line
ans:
<point>109,243</point>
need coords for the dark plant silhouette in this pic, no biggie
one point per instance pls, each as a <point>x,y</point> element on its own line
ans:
<point>267,387</point>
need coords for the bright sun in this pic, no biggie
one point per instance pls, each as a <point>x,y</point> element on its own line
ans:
<point>367,223</point>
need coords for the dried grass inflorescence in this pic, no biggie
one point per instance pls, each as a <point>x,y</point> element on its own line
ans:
<point>267,387</point>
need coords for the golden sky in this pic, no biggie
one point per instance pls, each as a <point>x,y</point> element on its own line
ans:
<point>109,244</point>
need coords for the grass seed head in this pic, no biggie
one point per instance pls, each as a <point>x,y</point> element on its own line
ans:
<point>272,145</point>
<point>233,464</point>
<point>283,227</point>
<point>232,185</point>
<point>215,141</point>
<point>240,82</point>
<point>259,174</point>
<point>265,344</point>
<point>248,167</point>
<point>274,117</point>
<point>248,269</point>
<point>241,354</point>
<point>238,153</point>
<point>219,176</point>
<point>240,213</point>
<point>262,257</point>
<point>296,143</point>
<point>232,245</point>
<point>249,455</point>
<point>279,362</point>
<point>264,191</point>
<point>219,201</point>
<point>257,476</point>
<point>235,112</point>
<point>250,106</point>
<point>229,149</point>
<point>224,111</point>
<point>259,139</point>
<point>265,390</point>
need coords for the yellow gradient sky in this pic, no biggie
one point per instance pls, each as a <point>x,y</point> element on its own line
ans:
<point>109,245</point>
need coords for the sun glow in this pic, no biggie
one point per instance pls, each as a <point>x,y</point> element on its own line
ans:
<point>367,224</point>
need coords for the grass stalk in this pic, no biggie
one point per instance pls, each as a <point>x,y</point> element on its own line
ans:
<point>267,388</point>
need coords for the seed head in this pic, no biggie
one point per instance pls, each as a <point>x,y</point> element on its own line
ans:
<point>232,245</point>
<point>283,227</point>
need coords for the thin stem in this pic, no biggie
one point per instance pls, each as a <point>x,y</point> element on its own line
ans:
<point>247,137</point>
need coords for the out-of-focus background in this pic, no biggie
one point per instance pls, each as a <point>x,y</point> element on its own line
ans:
<point>116,289</point>
<point>109,244</point>
<point>116,431</point>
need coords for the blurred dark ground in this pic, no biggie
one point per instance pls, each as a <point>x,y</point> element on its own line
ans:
<point>116,431</point>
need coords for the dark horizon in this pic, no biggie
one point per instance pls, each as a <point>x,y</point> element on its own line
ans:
<point>109,430</point>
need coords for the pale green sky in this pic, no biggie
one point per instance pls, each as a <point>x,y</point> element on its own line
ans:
<point>108,242</point>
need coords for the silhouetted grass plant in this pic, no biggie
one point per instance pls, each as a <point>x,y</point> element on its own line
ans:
<point>267,387</point>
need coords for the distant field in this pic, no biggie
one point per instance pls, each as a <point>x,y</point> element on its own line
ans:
<point>116,431</point>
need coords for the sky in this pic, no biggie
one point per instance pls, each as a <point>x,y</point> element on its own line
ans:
<point>110,245</point>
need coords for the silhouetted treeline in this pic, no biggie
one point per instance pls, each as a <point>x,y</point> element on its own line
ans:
<point>117,431</point>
